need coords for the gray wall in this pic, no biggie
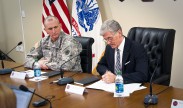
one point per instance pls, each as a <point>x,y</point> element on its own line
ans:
<point>2,38</point>
<point>11,28</point>
<point>130,13</point>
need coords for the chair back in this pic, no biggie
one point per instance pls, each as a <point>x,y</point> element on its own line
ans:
<point>86,54</point>
<point>159,44</point>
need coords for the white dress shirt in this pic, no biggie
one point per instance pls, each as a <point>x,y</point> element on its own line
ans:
<point>121,47</point>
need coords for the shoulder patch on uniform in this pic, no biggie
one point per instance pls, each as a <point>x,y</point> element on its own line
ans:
<point>67,52</point>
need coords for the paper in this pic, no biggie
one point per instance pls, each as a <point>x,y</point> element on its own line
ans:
<point>18,75</point>
<point>177,103</point>
<point>74,89</point>
<point>30,73</point>
<point>128,88</point>
<point>101,85</point>
<point>37,79</point>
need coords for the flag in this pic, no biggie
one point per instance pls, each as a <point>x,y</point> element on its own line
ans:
<point>86,21</point>
<point>59,9</point>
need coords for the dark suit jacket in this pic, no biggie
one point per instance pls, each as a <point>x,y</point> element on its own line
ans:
<point>134,63</point>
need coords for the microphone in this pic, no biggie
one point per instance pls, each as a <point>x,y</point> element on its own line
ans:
<point>65,80</point>
<point>25,89</point>
<point>6,71</point>
<point>151,99</point>
<point>20,43</point>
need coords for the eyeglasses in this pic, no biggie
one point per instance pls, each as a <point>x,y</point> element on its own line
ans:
<point>109,39</point>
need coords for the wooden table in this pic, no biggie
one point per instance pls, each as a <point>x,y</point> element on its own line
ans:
<point>93,98</point>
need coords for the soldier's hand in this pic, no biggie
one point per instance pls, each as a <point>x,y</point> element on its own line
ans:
<point>43,66</point>
<point>42,63</point>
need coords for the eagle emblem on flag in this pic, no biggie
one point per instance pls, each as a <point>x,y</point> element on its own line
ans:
<point>87,13</point>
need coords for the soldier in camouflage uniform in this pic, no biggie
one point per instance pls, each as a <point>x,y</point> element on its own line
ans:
<point>53,50</point>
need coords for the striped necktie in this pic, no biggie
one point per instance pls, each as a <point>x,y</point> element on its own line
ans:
<point>118,66</point>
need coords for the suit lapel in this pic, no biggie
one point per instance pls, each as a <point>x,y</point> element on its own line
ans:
<point>126,53</point>
<point>112,58</point>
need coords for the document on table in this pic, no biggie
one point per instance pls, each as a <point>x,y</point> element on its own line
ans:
<point>30,74</point>
<point>128,88</point>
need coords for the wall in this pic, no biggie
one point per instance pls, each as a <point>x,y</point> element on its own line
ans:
<point>2,38</point>
<point>130,13</point>
<point>17,28</point>
<point>32,22</point>
<point>12,28</point>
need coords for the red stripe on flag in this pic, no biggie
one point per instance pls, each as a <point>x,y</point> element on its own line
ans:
<point>75,25</point>
<point>65,9</point>
<point>42,18</point>
<point>55,12</point>
<point>43,22</point>
<point>46,9</point>
<point>93,55</point>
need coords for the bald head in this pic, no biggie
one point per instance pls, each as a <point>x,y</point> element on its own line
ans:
<point>50,19</point>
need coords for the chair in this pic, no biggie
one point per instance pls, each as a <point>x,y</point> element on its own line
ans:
<point>159,44</point>
<point>86,54</point>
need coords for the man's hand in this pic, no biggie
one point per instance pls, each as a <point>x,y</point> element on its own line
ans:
<point>42,63</point>
<point>108,77</point>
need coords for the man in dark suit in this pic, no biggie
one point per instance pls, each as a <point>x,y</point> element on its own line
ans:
<point>132,57</point>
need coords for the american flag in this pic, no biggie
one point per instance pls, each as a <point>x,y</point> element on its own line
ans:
<point>59,9</point>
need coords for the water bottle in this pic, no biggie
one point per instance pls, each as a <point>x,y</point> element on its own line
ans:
<point>119,86</point>
<point>37,70</point>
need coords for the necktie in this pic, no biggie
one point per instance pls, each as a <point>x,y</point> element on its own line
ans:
<point>118,66</point>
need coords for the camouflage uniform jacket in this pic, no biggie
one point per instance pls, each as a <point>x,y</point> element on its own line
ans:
<point>58,52</point>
